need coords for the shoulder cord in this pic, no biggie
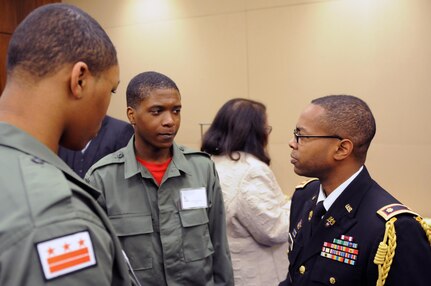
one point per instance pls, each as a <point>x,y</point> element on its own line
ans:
<point>426,227</point>
<point>386,252</point>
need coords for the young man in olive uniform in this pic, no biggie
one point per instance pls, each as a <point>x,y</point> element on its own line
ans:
<point>345,228</point>
<point>61,70</point>
<point>164,200</point>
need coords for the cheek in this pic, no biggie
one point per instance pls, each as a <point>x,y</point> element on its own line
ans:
<point>106,100</point>
<point>144,120</point>
<point>103,105</point>
<point>146,124</point>
<point>320,158</point>
<point>102,97</point>
<point>310,156</point>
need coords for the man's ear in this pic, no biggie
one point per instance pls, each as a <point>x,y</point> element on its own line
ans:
<point>344,149</point>
<point>79,78</point>
<point>131,115</point>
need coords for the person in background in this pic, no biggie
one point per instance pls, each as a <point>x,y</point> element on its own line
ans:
<point>164,199</point>
<point>346,229</point>
<point>257,211</point>
<point>114,134</point>
<point>61,70</point>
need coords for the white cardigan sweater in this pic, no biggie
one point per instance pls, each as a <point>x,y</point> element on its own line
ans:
<point>257,215</point>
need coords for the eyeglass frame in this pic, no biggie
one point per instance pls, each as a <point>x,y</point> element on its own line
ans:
<point>297,136</point>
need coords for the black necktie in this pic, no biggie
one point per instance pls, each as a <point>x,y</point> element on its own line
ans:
<point>318,212</point>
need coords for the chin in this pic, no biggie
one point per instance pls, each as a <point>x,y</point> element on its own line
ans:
<point>166,145</point>
<point>161,145</point>
<point>299,172</point>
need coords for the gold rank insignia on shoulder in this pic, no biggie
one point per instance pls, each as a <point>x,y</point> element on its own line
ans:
<point>305,183</point>
<point>389,211</point>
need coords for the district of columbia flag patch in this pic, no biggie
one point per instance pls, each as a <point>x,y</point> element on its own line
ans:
<point>66,254</point>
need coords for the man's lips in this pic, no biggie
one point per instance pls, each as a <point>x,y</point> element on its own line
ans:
<point>167,135</point>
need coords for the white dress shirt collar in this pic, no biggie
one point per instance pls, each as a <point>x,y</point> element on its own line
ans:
<point>328,201</point>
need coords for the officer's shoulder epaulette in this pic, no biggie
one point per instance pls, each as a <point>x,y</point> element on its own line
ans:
<point>303,184</point>
<point>189,151</point>
<point>391,210</point>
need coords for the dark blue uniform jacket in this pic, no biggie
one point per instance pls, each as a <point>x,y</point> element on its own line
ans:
<point>342,248</point>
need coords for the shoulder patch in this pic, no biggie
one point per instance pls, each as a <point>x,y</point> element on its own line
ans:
<point>66,254</point>
<point>305,183</point>
<point>389,211</point>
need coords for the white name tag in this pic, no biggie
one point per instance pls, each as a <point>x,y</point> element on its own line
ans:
<point>193,198</point>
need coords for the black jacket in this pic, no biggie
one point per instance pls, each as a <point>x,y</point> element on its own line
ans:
<point>114,134</point>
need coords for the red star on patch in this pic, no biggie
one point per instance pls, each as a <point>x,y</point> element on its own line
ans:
<point>50,251</point>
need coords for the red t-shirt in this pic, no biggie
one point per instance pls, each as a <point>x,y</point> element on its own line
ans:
<point>156,169</point>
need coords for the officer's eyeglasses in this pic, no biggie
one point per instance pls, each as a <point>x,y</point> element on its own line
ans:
<point>298,136</point>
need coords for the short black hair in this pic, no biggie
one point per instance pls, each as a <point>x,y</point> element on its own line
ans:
<point>57,34</point>
<point>142,84</point>
<point>239,125</point>
<point>349,117</point>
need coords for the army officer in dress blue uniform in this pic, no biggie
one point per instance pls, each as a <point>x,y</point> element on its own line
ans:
<point>345,229</point>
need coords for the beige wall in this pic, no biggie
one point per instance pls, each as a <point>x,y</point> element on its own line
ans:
<point>285,53</point>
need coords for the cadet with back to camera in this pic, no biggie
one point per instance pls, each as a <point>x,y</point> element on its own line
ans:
<point>61,70</point>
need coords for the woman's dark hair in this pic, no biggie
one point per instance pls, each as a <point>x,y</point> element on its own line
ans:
<point>239,125</point>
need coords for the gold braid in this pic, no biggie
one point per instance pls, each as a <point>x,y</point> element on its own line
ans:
<point>426,227</point>
<point>386,252</point>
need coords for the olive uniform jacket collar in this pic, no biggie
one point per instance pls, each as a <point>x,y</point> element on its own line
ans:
<point>133,167</point>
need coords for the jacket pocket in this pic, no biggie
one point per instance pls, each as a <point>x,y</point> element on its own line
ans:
<point>196,239</point>
<point>135,232</point>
